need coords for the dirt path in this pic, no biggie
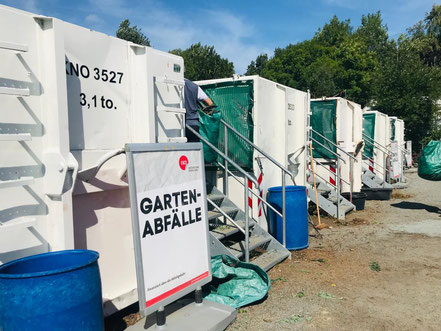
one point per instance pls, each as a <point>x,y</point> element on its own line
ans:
<point>331,285</point>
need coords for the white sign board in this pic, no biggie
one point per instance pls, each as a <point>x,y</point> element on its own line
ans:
<point>395,160</point>
<point>170,223</point>
<point>409,153</point>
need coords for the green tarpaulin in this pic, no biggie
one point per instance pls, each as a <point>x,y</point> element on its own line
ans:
<point>323,120</point>
<point>369,131</point>
<point>209,129</point>
<point>429,165</point>
<point>236,283</point>
<point>235,102</point>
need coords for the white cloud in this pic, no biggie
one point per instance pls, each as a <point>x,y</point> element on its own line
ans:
<point>94,19</point>
<point>167,29</point>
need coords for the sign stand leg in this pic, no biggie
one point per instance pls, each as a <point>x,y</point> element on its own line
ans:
<point>198,295</point>
<point>160,316</point>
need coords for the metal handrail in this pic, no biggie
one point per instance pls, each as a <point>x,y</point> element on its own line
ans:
<point>378,145</point>
<point>281,167</point>
<point>261,151</point>
<point>384,168</point>
<point>238,167</point>
<point>327,182</point>
<point>338,147</point>
<point>253,193</point>
<point>330,171</point>
<point>226,215</point>
<point>246,191</point>
<point>337,155</point>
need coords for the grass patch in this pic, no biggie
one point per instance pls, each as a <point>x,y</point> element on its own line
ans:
<point>299,294</point>
<point>375,266</point>
<point>278,279</point>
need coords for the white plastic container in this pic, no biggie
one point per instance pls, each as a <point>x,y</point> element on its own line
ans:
<point>72,97</point>
<point>279,116</point>
<point>382,137</point>
<point>349,124</point>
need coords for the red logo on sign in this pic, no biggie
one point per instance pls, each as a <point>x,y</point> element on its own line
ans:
<point>183,161</point>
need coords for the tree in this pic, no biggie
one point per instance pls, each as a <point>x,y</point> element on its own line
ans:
<point>203,62</point>
<point>256,67</point>
<point>132,33</point>
<point>334,32</point>
<point>426,37</point>
<point>374,33</point>
<point>408,88</point>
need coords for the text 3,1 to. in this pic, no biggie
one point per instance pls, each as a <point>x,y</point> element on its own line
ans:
<point>96,102</point>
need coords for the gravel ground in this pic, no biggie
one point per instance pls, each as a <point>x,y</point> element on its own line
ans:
<point>378,270</point>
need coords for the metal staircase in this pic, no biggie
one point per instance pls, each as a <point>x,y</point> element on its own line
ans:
<point>233,231</point>
<point>329,195</point>
<point>327,200</point>
<point>370,177</point>
<point>372,180</point>
<point>227,234</point>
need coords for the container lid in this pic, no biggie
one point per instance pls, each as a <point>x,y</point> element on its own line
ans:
<point>48,263</point>
<point>288,188</point>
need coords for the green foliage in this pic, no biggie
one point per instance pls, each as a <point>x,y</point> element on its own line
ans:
<point>400,78</point>
<point>256,67</point>
<point>375,266</point>
<point>334,32</point>
<point>132,33</point>
<point>203,62</point>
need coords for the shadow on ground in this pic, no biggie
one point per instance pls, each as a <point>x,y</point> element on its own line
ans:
<point>416,206</point>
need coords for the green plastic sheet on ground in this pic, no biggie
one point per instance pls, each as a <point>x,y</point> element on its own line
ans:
<point>323,120</point>
<point>235,102</point>
<point>236,283</point>
<point>369,131</point>
<point>429,165</point>
<point>209,126</point>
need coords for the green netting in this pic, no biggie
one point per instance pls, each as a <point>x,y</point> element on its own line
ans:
<point>323,121</point>
<point>235,102</point>
<point>392,129</point>
<point>369,131</point>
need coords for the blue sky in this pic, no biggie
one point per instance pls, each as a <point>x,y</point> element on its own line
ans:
<point>239,29</point>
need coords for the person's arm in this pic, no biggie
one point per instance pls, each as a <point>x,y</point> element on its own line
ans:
<point>204,97</point>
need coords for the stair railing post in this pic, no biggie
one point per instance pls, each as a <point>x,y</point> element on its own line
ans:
<point>384,169</point>
<point>247,224</point>
<point>338,187</point>
<point>225,161</point>
<point>351,177</point>
<point>284,207</point>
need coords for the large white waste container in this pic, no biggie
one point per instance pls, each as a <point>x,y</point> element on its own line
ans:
<point>279,120</point>
<point>72,97</point>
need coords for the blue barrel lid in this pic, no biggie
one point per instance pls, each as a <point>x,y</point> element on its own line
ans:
<point>288,188</point>
<point>83,257</point>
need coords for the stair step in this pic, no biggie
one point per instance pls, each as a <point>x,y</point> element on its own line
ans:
<point>225,230</point>
<point>323,191</point>
<point>269,259</point>
<point>230,211</point>
<point>238,248</point>
<point>215,197</point>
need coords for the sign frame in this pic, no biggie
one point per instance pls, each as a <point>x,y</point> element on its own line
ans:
<point>131,150</point>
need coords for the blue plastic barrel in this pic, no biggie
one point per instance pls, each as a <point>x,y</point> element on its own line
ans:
<point>296,216</point>
<point>52,291</point>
